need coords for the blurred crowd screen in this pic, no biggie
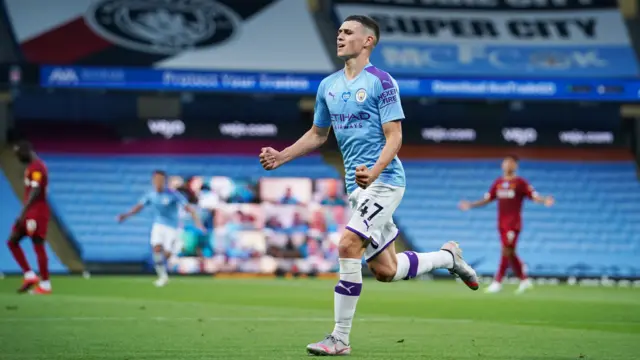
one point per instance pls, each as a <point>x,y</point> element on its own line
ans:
<point>273,226</point>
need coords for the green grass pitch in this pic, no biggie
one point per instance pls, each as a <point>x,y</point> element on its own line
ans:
<point>205,318</point>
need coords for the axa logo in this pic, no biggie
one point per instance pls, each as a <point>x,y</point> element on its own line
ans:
<point>63,76</point>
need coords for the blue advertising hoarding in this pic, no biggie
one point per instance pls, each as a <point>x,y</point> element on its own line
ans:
<point>580,89</point>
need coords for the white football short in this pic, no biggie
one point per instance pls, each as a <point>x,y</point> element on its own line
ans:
<point>165,236</point>
<point>372,216</point>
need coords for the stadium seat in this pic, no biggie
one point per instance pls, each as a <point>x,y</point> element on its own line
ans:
<point>10,207</point>
<point>593,227</point>
<point>592,230</point>
<point>88,192</point>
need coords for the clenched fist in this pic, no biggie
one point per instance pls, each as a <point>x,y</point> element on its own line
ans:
<point>270,158</point>
<point>364,176</point>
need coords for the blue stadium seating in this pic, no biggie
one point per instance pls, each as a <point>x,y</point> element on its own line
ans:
<point>594,228</point>
<point>88,192</point>
<point>10,208</point>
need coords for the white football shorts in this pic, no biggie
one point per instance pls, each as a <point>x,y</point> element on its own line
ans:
<point>165,236</point>
<point>372,217</point>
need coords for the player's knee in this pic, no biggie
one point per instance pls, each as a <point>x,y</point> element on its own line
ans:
<point>507,251</point>
<point>350,245</point>
<point>158,249</point>
<point>13,240</point>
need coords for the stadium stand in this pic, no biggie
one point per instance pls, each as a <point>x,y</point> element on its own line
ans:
<point>10,208</point>
<point>593,230</point>
<point>89,191</point>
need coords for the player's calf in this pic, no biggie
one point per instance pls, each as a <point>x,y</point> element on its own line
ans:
<point>43,263</point>
<point>347,291</point>
<point>384,265</point>
<point>30,278</point>
<point>389,266</point>
<point>159,265</point>
<point>384,272</point>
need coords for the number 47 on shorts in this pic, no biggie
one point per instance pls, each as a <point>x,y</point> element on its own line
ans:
<point>364,209</point>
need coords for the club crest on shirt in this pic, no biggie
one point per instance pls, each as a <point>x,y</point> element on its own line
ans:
<point>361,95</point>
<point>346,96</point>
<point>505,184</point>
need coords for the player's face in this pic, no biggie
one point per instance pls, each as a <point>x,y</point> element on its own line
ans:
<point>509,165</point>
<point>158,181</point>
<point>352,39</point>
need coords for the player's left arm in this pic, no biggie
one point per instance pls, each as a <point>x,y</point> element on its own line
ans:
<point>196,218</point>
<point>35,181</point>
<point>391,116</point>
<point>531,193</point>
<point>393,134</point>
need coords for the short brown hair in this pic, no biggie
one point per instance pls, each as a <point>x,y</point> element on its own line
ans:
<point>513,157</point>
<point>367,22</point>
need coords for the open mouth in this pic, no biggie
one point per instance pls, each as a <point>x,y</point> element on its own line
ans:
<point>340,46</point>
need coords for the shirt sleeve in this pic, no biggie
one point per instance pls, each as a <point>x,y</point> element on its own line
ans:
<point>145,199</point>
<point>527,189</point>
<point>492,193</point>
<point>388,98</point>
<point>321,115</point>
<point>180,199</point>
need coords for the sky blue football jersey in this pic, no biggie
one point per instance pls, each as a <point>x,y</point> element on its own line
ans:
<point>165,206</point>
<point>356,110</point>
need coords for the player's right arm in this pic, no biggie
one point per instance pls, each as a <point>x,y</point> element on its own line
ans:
<point>488,198</point>
<point>35,179</point>
<point>311,140</point>
<point>530,193</point>
<point>135,209</point>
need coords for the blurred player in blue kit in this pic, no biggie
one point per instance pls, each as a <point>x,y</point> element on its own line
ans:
<point>362,104</point>
<point>165,204</point>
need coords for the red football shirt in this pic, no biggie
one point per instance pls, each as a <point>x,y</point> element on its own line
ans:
<point>510,194</point>
<point>36,176</point>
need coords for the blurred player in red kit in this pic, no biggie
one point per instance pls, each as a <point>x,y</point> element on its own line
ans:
<point>32,221</point>
<point>510,190</point>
